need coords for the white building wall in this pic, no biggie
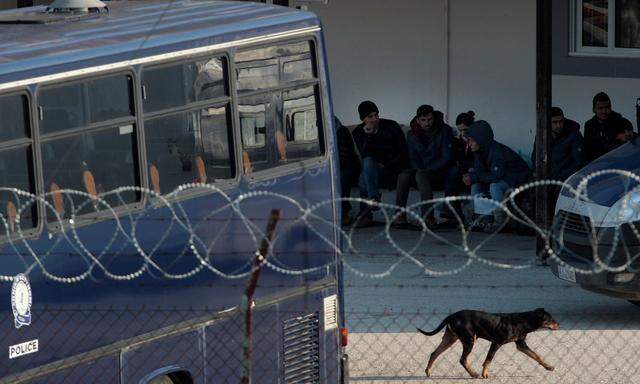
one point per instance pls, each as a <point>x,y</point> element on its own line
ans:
<point>397,54</point>
<point>574,94</point>
<point>390,52</point>
<point>493,66</point>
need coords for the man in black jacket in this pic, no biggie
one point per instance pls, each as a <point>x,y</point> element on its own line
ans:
<point>599,131</point>
<point>496,169</point>
<point>431,162</point>
<point>567,149</point>
<point>622,135</point>
<point>349,166</point>
<point>382,147</point>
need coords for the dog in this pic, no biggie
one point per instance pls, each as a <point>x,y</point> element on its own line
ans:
<point>498,328</point>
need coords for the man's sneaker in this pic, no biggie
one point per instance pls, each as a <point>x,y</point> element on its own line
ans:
<point>363,221</point>
<point>375,201</point>
<point>431,222</point>
<point>479,224</point>
<point>364,218</point>
<point>540,262</point>
<point>449,224</point>
<point>495,227</point>
<point>400,222</point>
<point>346,220</point>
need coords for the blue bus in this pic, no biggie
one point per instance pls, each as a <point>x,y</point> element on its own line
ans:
<point>144,148</point>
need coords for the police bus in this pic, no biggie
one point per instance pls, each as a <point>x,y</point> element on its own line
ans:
<point>144,148</point>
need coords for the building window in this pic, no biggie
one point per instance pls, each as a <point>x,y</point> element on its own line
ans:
<point>607,27</point>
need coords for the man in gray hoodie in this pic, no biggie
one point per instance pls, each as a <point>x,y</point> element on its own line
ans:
<point>496,169</point>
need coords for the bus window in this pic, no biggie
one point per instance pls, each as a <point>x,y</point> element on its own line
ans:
<point>301,123</point>
<point>180,84</point>
<point>269,67</point>
<point>253,125</point>
<point>193,144</point>
<point>15,117</point>
<point>297,70</point>
<point>83,103</point>
<point>112,105</point>
<point>16,169</point>
<point>279,119</point>
<point>176,142</point>
<point>104,152</point>
<point>256,78</point>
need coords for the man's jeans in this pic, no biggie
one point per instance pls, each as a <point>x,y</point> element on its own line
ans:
<point>369,179</point>
<point>425,181</point>
<point>348,180</point>
<point>496,191</point>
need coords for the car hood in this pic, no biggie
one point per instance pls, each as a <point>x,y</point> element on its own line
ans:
<point>610,187</point>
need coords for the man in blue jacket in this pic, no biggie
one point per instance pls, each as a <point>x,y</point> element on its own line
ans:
<point>431,162</point>
<point>496,169</point>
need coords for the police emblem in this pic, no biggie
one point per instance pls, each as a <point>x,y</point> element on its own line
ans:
<point>21,300</point>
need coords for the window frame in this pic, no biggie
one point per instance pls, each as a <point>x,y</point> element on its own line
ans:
<point>224,101</point>
<point>578,49</point>
<point>284,168</point>
<point>32,141</point>
<point>103,214</point>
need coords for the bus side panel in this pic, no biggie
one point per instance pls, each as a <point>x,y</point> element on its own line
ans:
<point>224,343</point>
<point>103,370</point>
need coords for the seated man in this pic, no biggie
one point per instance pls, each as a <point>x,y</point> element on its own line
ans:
<point>622,135</point>
<point>496,169</point>
<point>567,149</point>
<point>383,150</point>
<point>599,135</point>
<point>349,166</point>
<point>463,154</point>
<point>431,162</point>
<point>464,160</point>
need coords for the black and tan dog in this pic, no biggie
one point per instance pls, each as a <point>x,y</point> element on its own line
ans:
<point>498,328</point>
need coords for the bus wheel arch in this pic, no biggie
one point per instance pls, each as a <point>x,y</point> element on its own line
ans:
<point>168,375</point>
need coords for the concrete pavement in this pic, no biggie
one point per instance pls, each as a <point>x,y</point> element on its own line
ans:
<point>598,342</point>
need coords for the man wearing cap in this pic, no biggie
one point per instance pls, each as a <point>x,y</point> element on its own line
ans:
<point>382,147</point>
<point>496,169</point>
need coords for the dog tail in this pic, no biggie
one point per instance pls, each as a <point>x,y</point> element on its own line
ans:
<point>442,325</point>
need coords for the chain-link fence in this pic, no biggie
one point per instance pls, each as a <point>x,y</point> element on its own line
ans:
<point>213,296</point>
<point>589,348</point>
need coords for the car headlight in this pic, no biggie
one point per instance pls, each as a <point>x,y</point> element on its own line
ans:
<point>625,210</point>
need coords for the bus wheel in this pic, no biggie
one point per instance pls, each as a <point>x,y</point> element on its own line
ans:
<point>164,379</point>
<point>173,378</point>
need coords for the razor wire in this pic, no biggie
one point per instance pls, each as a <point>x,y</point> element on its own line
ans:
<point>66,229</point>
